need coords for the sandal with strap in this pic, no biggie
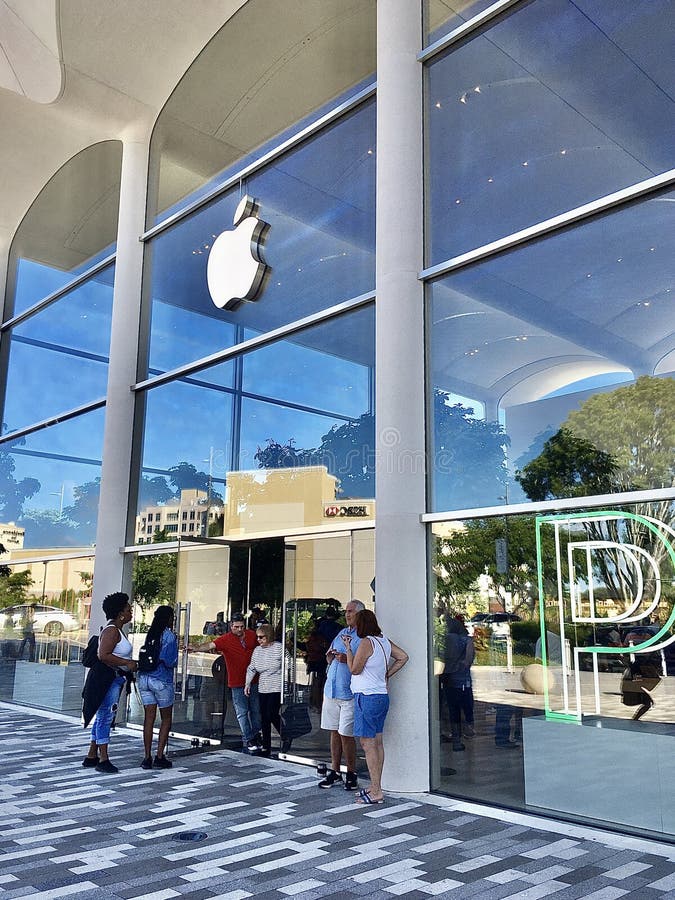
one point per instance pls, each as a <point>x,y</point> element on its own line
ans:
<point>365,798</point>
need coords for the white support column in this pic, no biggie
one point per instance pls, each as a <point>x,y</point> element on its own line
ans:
<point>400,555</point>
<point>110,574</point>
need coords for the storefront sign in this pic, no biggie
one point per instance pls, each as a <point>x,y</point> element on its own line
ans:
<point>346,511</point>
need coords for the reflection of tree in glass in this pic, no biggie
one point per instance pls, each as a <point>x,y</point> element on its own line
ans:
<point>13,493</point>
<point>469,456</point>
<point>347,451</point>
<point>14,588</point>
<point>154,577</point>
<point>623,440</point>
<point>469,553</point>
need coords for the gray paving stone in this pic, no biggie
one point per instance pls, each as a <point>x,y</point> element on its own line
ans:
<point>61,826</point>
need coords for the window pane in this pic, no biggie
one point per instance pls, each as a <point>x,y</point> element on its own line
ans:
<point>44,624</point>
<point>319,202</point>
<point>293,60</point>
<point>296,435</point>
<point>568,343</point>
<point>71,226</point>
<point>568,624</point>
<point>58,358</point>
<point>554,106</point>
<point>443,16</point>
<point>49,483</point>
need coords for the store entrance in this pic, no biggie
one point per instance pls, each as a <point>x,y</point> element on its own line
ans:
<point>298,582</point>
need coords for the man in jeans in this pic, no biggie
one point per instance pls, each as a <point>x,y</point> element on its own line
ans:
<point>236,648</point>
<point>337,712</point>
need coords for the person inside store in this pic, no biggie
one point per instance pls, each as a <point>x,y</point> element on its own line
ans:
<point>337,712</point>
<point>266,665</point>
<point>236,648</point>
<point>112,669</point>
<point>257,616</point>
<point>157,687</point>
<point>375,661</point>
<point>458,656</point>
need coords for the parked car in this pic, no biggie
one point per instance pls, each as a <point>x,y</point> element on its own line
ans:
<point>48,620</point>
<point>500,623</point>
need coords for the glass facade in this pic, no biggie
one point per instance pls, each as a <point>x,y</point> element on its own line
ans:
<point>277,83</point>
<point>551,107</point>
<point>301,403</point>
<point>319,203</point>
<point>550,388</point>
<point>550,383</point>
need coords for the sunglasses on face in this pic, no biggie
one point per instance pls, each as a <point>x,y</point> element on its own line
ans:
<point>260,637</point>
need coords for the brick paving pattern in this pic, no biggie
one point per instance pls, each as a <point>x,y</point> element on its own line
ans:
<point>66,832</point>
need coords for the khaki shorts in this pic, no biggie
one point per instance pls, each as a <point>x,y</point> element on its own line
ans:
<point>338,715</point>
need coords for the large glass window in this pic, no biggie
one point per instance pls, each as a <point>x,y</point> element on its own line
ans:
<point>319,203</point>
<point>50,480</point>
<point>45,608</point>
<point>58,358</point>
<point>568,345</point>
<point>556,104</point>
<point>264,441</point>
<point>553,648</point>
<point>71,225</point>
<point>285,63</point>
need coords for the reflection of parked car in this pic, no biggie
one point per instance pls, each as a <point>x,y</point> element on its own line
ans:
<point>499,623</point>
<point>49,620</point>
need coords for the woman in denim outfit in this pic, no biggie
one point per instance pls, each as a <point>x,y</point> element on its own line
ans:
<point>157,688</point>
<point>108,675</point>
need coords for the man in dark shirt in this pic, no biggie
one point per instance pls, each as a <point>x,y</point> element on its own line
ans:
<point>236,648</point>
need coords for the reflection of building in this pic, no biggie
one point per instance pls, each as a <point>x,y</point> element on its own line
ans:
<point>57,576</point>
<point>278,500</point>
<point>181,518</point>
<point>11,537</point>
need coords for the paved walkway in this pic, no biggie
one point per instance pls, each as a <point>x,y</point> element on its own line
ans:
<point>66,831</point>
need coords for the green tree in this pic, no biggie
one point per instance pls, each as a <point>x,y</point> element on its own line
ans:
<point>154,577</point>
<point>617,441</point>
<point>14,588</point>
<point>569,466</point>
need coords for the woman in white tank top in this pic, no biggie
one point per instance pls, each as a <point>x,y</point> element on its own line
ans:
<point>375,660</point>
<point>108,674</point>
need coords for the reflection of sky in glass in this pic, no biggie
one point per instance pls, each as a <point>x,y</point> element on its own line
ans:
<point>319,201</point>
<point>183,422</point>
<point>35,280</point>
<point>526,120</point>
<point>58,357</point>
<point>61,457</point>
<point>261,421</point>
<point>289,371</point>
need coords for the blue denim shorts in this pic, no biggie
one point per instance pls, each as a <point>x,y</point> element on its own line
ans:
<point>154,691</point>
<point>370,711</point>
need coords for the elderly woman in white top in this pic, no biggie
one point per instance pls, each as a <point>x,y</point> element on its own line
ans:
<point>376,658</point>
<point>266,663</point>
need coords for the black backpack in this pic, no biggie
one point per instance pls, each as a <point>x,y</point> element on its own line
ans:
<point>148,655</point>
<point>90,652</point>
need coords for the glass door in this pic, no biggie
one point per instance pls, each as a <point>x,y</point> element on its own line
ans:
<point>323,573</point>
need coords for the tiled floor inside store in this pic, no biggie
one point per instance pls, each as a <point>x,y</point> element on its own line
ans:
<point>268,832</point>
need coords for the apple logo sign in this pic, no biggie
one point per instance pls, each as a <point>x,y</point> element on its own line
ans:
<point>235,270</point>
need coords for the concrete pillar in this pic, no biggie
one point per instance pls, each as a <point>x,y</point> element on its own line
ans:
<point>111,573</point>
<point>400,554</point>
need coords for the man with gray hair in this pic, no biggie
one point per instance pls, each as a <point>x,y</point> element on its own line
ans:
<point>337,713</point>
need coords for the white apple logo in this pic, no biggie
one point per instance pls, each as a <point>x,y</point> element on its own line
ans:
<point>235,269</point>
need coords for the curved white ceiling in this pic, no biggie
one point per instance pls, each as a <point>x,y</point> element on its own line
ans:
<point>30,63</point>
